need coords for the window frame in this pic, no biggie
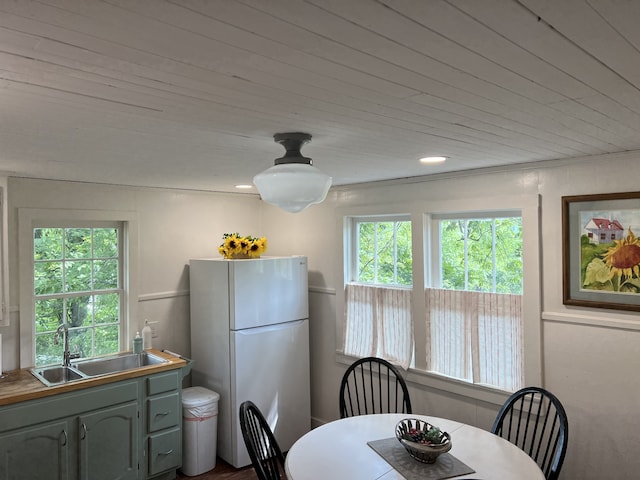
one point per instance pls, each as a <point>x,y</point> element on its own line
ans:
<point>30,218</point>
<point>351,266</point>
<point>529,206</point>
<point>434,260</point>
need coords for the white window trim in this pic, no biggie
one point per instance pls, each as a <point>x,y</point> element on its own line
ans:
<point>4,255</point>
<point>28,218</point>
<point>529,206</point>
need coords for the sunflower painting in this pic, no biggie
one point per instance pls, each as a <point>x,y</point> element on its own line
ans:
<point>601,250</point>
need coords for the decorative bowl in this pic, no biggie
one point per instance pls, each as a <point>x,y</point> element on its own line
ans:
<point>423,441</point>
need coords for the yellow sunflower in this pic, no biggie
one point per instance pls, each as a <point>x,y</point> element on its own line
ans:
<point>235,245</point>
<point>623,258</point>
<point>232,244</point>
<point>263,244</point>
<point>245,245</point>
<point>257,247</point>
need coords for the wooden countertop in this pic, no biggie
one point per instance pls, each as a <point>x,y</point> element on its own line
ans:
<point>20,385</point>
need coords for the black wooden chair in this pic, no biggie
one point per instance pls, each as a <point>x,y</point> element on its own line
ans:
<point>535,421</point>
<point>266,457</point>
<point>373,385</point>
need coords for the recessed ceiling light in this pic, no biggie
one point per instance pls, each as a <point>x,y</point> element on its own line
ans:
<point>432,159</point>
<point>244,187</point>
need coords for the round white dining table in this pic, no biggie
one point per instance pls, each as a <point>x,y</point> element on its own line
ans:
<point>339,450</point>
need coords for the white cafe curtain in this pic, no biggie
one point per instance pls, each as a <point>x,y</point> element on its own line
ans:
<point>475,336</point>
<point>378,322</point>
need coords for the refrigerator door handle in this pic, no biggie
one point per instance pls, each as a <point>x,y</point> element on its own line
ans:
<point>268,328</point>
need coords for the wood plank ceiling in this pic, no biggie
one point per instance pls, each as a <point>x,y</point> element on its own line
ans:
<point>188,93</point>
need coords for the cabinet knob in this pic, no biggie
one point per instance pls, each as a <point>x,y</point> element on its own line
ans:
<point>83,433</point>
<point>64,438</point>
<point>166,453</point>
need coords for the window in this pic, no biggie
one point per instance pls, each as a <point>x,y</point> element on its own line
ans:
<point>474,309</point>
<point>480,254</point>
<point>77,281</point>
<point>471,316</point>
<point>378,297</point>
<point>78,267</point>
<point>382,250</point>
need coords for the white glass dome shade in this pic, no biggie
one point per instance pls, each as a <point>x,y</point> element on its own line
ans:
<point>293,183</point>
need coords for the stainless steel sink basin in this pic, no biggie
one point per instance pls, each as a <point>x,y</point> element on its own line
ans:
<point>57,375</point>
<point>117,363</point>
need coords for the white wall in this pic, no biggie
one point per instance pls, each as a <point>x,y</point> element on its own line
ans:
<point>591,356</point>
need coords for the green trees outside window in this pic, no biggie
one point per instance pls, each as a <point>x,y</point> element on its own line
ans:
<point>76,279</point>
<point>481,255</point>
<point>384,252</point>
<point>476,254</point>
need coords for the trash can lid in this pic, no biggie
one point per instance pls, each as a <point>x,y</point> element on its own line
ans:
<point>196,396</point>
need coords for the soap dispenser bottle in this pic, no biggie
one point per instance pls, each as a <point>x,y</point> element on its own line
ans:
<point>146,336</point>
<point>137,343</point>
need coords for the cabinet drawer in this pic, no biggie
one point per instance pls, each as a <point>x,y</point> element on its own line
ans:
<point>165,451</point>
<point>64,405</point>
<point>163,412</point>
<point>164,382</point>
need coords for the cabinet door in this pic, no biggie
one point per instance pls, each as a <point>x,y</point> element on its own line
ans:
<point>109,443</point>
<point>36,453</point>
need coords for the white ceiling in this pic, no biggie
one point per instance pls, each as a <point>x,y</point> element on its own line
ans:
<point>188,93</point>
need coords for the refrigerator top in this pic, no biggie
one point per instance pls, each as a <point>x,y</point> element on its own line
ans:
<point>261,258</point>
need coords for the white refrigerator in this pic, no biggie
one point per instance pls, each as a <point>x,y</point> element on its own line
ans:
<point>250,341</point>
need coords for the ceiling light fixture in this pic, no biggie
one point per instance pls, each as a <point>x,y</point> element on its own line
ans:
<point>432,159</point>
<point>292,183</point>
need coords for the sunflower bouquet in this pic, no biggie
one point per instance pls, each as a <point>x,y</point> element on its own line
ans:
<point>236,246</point>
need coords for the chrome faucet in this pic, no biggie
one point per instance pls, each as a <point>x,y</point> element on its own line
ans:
<point>67,356</point>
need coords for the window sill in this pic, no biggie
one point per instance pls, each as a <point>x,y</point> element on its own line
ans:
<point>433,381</point>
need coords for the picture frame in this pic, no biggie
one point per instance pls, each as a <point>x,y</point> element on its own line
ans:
<point>601,250</point>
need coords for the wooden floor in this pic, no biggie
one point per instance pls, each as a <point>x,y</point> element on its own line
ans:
<point>223,471</point>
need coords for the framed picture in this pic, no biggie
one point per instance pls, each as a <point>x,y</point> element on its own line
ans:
<point>601,250</point>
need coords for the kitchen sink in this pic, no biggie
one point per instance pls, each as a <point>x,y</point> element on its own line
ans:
<point>57,375</point>
<point>117,363</point>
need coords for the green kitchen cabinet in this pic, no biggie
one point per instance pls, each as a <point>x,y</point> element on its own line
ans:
<point>40,451</point>
<point>109,443</point>
<point>91,434</point>
<point>125,430</point>
<point>163,424</point>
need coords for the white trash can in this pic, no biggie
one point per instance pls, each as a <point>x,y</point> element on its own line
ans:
<point>199,430</point>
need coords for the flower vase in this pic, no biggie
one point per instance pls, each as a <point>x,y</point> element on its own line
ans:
<point>241,256</point>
